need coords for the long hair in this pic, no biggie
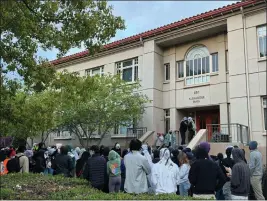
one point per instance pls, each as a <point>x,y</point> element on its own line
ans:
<point>183,159</point>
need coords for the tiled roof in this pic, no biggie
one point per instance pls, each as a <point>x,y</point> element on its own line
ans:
<point>160,30</point>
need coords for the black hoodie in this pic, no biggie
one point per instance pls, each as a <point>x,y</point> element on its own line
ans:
<point>240,180</point>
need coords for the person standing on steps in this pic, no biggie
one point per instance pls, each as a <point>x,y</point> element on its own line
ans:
<point>183,129</point>
<point>191,129</point>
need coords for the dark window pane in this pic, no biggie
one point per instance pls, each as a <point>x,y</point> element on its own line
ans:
<point>203,65</point>
<point>127,63</point>
<point>215,63</point>
<point>167,125</point>
<point>199,66</point>
<point>187,69</point>
<point>195,66</point>
<point>180,69</point>
<point>191,67</point>
<point>167,71</point>
<point>127,74</point>
<point>207,64</point>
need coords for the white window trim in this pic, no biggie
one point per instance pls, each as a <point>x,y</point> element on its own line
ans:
<point>201,75</point>
<point>177,70</point>
<point>165,80</point>
<point>258,42</point>
<point>262,109</point>
<point>121,68</point>
<point>90,71</point>
<point>185,78</point>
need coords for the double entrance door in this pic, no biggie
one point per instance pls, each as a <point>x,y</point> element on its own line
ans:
<point>206,118</point>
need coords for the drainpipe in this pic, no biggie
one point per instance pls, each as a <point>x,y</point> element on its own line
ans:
<point>246,72</point>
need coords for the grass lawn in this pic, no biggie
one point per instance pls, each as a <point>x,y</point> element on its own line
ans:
<point>39,187</point>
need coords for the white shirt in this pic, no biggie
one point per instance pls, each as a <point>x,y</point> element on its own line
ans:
<point>137,169</point>
<point>165,178</point>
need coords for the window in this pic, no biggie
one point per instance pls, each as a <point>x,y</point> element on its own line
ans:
<point>128,69</point>
<point>264,106</point>
<point>167,120</point>
<point>122,129</point>
<point>262,41</point>
<point>63,133</point>
<point>215,67</point>
<point>197,66</point>
<point>95,71</point>
<point>167,71</point>
<point>180,69</point>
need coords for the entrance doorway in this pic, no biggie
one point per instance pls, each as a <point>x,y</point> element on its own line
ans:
<point>204,118</point>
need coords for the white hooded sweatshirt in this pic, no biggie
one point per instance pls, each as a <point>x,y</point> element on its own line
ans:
<point>165,174</point>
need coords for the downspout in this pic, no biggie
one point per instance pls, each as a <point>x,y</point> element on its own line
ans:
<point>246,72</point>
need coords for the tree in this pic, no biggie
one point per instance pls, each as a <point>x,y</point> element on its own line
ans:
<point>94,105</point>
<point>35,115</point>
<point>28,25</point>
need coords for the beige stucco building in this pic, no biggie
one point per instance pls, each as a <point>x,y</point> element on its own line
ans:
<point>211,67</point>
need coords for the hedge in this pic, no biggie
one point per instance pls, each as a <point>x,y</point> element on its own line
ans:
<point>40,187</point>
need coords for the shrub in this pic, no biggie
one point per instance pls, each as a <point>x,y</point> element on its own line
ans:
<point>39,187</point>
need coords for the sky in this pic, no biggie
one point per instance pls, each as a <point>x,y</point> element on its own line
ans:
<point>142,16</point>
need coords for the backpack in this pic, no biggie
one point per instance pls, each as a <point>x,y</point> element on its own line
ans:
<point>13,165</point>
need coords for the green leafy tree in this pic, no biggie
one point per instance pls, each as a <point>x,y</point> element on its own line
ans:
<point>92,106</point>
<point>35,115</point>
<point>28,25</point>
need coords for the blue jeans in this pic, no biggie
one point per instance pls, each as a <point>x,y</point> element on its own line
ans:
<point>183,188</point>
<point>48,171</point>
<point>219,195</point>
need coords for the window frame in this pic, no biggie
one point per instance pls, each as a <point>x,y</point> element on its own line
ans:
<point>201,76</point>
<point>135,69</point>
<point>207,75</point>
<point>167,117</point>
<point>178,69</point>
<point>215,53</point>
<point>89,72</point>
<point>165,72</point>
<point>264,107</point>
<point>258,40</point>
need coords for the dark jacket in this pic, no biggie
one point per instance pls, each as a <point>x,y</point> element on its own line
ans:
<point>80,166</point>
<point>95,170</point>
<point>64,165</point>
<point>39,160</point>
<point>183,126</point>
<point>206,177</point>
<point>227,162</point>
<point>155,160</point>
<point>240,180</point>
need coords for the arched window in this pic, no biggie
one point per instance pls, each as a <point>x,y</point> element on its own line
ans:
<point>197,65</point>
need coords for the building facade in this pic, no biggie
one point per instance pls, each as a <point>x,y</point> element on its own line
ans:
<point>211,67</point>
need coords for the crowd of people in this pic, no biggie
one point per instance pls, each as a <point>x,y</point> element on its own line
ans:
<point>139,169</point>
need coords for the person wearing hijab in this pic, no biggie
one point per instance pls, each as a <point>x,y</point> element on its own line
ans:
<point>183,129</point>
<point>80,165</point>
<point>114,171</point>
<point>117,148</point>
<point>240,176</point>
<point>165,174</point>
<point>191,129</point>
